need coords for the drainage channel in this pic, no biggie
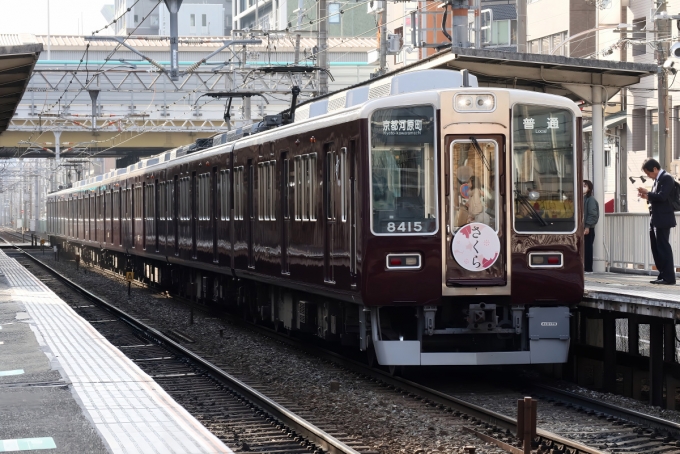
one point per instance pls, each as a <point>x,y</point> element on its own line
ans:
<point>242,417</point>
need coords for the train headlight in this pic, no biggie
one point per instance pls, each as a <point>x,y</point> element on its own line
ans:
<point>474,103</point>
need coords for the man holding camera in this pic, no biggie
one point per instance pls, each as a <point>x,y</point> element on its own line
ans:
<point>662,219</point>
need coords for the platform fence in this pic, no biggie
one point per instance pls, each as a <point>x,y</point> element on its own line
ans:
<point>627,246</point>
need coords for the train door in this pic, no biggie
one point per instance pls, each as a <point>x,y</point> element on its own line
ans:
<point>156,213</point>
<point>352,212</point>
<point>330,179</point>
<point>250,214</point>
<point>175,216</point>
<point>285,211</point>
<point>194,214</point>
<point>475,231</point>
<point>213,213</point>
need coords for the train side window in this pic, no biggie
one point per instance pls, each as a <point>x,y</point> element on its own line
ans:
<point>150,209</point>
<point>297,187</point>
<point>224,194</point>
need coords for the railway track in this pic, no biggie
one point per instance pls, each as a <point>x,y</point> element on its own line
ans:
<point>615,429</point>
<point>241,416</point>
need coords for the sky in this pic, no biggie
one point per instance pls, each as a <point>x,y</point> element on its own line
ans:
<point>30,16</point>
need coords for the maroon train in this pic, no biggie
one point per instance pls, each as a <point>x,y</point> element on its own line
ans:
<point>419,217</point>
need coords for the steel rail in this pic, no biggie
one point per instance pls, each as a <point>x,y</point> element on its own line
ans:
<point>428,395</point>
<point>295,423</point>
<point>599,406</point>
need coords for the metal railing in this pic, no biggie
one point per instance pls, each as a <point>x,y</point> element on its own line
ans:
<point>627,246</point>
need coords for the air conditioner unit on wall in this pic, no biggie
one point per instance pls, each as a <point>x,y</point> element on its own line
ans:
<point>375,6</point>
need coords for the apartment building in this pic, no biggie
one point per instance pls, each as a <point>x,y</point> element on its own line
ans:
<point>195,18</point>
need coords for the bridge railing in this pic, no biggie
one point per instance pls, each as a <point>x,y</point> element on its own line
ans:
<point>627,246</point>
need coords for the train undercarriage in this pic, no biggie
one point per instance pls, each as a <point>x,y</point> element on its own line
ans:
<point>476,331</point>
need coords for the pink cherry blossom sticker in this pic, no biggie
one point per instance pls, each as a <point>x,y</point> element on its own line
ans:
<point>476,246</point>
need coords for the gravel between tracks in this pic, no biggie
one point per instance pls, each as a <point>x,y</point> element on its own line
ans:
<point>384,420</point>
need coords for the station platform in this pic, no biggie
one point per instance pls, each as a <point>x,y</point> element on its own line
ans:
<point>65,389</point>
<point>631,293</point>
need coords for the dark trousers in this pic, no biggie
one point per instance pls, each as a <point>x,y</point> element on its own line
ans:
<point>662,253</point>
<point>588,256</point>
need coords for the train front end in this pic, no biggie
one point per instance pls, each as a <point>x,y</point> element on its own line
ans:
<point>476,234</point>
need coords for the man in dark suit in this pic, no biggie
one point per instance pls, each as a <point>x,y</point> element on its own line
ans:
<point>662,219</point>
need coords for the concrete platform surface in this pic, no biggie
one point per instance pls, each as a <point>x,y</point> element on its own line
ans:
<point>65,389</point>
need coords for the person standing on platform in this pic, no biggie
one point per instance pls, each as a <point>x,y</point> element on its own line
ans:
<point>591,214</point>
<point>662,219</point>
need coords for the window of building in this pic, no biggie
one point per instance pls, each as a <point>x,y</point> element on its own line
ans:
<point>653,136</point>
<point>334,13</point>
<point>192,20</point>
<point>204,20</point>
<point>225,194</point>
<point>640,35</point>
<point>547,45</point>
<point>266,194</point>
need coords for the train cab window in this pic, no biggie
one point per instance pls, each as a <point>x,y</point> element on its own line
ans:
<point>474,186</point>
<point>225,193</point>
<point>403,171</point>
<point>543,169</point>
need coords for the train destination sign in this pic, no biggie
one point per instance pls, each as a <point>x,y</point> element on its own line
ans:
<point>409,127</point>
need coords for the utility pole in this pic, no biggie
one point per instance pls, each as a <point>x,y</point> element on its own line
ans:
<point>521,26</point>
<point>322,45</point>
<point>662,27</point>
<point>173,9</point>
<point>383,38</point>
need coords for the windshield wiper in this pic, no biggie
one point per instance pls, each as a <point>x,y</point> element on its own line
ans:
<point>480,153</point>
<point>527,204</point>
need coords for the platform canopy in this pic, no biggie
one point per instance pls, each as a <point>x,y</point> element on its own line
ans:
<point>18,55</point>
<point>565,76</point>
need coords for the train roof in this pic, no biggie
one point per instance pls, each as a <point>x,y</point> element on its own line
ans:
<point>344,105</point>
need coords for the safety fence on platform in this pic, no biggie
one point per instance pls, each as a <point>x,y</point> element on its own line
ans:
<point>627,244</point>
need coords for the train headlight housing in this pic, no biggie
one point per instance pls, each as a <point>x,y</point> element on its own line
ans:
<point>474,102</point>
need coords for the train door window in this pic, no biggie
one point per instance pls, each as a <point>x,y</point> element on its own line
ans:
<point>266,174</point>
<point>344,184</point>
<point>238,193</point>
<point>298,187</point>
<point>150,210</point>
<point>475,193</point>
<point>161,200</point>
<point>225,193</point>
<point>286,179</point>
<point>329,184</point>
<point>204,196</point>
<point>310,179</point>
<point>184,205</point>
<point>168,207</point>
<point>403,171</point>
